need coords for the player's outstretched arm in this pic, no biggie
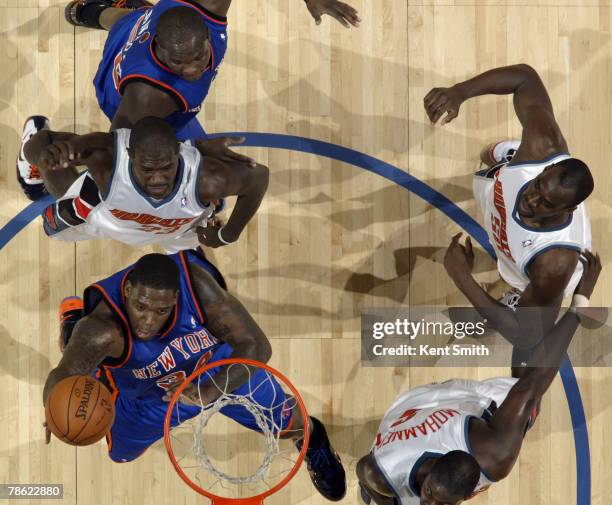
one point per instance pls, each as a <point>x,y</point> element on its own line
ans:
<point>141,100</point>
<point>94,338</point>
<point>230,322</point>
<point>221,179</point>
<point>342,12</point>
<point>497,444</point>
<point>538,307</point>
<point>541,134</point>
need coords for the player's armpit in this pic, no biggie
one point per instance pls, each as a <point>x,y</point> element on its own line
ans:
<point>94,338</point>
<point>140,100</point>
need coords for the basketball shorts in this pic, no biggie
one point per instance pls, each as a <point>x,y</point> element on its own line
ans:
<point>139,423</point>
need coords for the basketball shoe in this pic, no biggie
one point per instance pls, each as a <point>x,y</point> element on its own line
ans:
<point>87,13</point>
<point>28,175</point>
<point>324,464</point>
<point>70,311</point>
<point>499,152</point>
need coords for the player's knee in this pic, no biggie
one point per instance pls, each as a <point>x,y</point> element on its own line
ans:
<point>118,458</point>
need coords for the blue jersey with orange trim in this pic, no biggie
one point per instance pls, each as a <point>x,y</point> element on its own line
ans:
<point>148,368</point>
<point>129,57</point>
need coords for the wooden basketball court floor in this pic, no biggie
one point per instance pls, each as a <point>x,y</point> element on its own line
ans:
<point>330,238</point>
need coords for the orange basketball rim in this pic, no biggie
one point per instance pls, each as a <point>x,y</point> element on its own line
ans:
<point>252,500</point>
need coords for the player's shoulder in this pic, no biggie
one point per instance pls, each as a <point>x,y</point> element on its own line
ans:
<point>555,262</point>
<point>368,473</point>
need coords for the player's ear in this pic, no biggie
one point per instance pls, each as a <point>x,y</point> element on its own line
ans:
<point>127,290</point>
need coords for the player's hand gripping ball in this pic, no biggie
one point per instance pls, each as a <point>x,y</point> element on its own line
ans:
<point>79,410</point>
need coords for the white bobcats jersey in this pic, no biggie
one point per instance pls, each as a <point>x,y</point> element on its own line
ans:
<point>130,216</point>
<point>517,244</point>
<point>428,422</point>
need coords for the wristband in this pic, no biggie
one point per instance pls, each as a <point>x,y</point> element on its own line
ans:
<point>221,239</point>
<point>580,301</point>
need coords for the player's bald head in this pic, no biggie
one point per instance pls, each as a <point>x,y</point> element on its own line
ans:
<point>181,26</point>
<point>152,135</point>
<point>154,153</point>
<point>181,43</point>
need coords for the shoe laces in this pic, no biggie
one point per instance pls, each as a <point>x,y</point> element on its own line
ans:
<point>322,460</point>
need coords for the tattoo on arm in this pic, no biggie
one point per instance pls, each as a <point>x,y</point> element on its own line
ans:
<point>229,321</point>
<point>93,340</point>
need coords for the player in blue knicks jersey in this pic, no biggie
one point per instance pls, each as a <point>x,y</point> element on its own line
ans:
<point>162,61</point>
<point>146,328</point>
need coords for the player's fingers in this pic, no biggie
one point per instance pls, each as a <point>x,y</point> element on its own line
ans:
<point>62,147</point>
<point>456,238</point>
<point>588,257</point>
<point>315,13</point>
<point>337,14</point>
<point>468,246</point>
<point>451,114</point>
<point>53,156</point>
<point>430,97</point>
<point>349,13</point>
<point>234,156</point>
<point>438,113</point>
<point>233,141</point>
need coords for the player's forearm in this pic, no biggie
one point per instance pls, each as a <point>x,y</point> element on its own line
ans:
<point>498,81</point>
<point>521,330</point>
<point>56,375</point>
<point>247,204</point>
<point>548,355</point>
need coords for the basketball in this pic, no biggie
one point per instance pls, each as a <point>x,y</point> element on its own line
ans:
<point>79,410</point>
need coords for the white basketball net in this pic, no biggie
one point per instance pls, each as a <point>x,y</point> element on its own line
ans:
<point>263,417</point>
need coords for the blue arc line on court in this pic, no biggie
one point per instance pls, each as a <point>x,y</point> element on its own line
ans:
<point>21,220</point>
<point>431,196</point>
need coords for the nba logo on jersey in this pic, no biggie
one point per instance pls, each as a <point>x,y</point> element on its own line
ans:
<point>193,322</point>
<point>183,202</point>
<point>527,243</point>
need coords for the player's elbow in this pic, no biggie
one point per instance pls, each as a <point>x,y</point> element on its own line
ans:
<point>527,70</point>
<point>260,177</point>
